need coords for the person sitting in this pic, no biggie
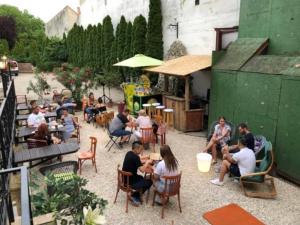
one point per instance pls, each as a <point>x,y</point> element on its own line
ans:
<point>69,124</point>
<point>220,136</point>
<point>132,163</point>
<point>56,96</point>
<point>244,131</point>
<point>143,121</point>
<point>36,117</point>
<point>239,164</point>
<point>167,167</point>
<point>100,106</point>
<point>117,127</point>
<point>90,107</point>
<point>62,105</point>
<point>43,133</point>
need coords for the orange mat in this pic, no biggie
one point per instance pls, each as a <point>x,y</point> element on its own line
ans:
<point>231,214</point>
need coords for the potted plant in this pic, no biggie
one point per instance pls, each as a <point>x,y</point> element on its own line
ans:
<point>68,199</point>
<point>40,87</point>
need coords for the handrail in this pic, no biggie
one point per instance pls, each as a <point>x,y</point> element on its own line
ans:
<point>26,217</point>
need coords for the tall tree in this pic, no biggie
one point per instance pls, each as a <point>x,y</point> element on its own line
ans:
<point>154,42</point>
<point>139,35</point>
<point>8,30</point>
<point>127,52</point>
<point>121,39</point>
<point>108,38</point>
<point>99,48</point>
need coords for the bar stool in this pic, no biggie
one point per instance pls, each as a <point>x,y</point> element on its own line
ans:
<point>169,117</point>
<point>159,110</point>
<point>153,108</point>
<point>147,108</point>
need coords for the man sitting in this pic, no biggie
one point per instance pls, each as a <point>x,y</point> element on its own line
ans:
<point>241,163</point>
<point>132,163</point>
<point>244,131</point>
<point>36,117</point>
<point>118,125</point>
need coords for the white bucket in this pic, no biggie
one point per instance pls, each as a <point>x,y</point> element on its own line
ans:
<point>204,162</point>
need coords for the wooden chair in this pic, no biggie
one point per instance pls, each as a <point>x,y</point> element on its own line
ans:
<point>148,137</point>
<point>88,155</point>
<point>161,131</point>
<point>34,143</point>
<point>76,133</point>
<point>21,99</point>
<point>259,177</point>
<point>171,188</point>
<point>123,184</point>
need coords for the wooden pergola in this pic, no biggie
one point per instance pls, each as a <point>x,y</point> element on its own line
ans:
<point>182,67</point>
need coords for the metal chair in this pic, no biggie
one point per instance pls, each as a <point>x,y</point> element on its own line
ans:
<point>171,188</point>
<point>112,139</point>
<point>88,155</point>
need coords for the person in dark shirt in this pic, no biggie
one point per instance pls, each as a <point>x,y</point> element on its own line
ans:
<point>244,131</point>
<point>132,163</point>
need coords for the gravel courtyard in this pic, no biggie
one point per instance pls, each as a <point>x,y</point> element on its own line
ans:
<point>197,194</point>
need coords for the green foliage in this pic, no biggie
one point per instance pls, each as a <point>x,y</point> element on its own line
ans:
<point>139,35</point>
<point>107,40</point>
<point>121,38</point>
<point>99,47</point>
<point>78,80</point>
<point>30,34</point>
<point>65,197</point>
<point>39,86</point>
<point>4,49</point>
<point>54,53</point>
<point>154,42</point>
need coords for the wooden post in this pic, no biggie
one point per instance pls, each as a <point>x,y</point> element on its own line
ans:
<point>187,94</point>
<point>166,83</point>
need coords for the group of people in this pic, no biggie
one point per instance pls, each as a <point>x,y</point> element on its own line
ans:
<point>118,125</point>
<point>238,159</point>
<point>93,108</point>
<point>134,162</point>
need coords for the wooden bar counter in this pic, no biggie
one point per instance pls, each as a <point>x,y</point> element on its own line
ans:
<point>184,120</point>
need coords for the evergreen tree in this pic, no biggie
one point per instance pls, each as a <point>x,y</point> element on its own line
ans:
<point>108,38</point>
<point>154,42</point>
<point>121,38</point>
<point>94,48</point>
<point>127,53</point>
<point>139,35</point>
<point>113,56</point>
<point>99,48</point>
<point>88,46</point>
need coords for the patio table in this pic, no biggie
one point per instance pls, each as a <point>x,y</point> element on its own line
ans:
<point>28,131</point>
<point>44,153</point>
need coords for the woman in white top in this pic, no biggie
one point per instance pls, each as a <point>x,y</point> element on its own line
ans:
<point>167,167</point>
<point>143,121</point>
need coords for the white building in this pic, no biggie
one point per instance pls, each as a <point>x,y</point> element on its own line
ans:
<point>196,22</point>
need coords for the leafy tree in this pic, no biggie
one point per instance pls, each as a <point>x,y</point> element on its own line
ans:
<point>108,38</point>
<point>4,49</point>
<point>139,35</point>
<point>127,48</point>
<point>8,30</point>
<point>154,42</point>
<point>121,38</point>
<point>99,47</point>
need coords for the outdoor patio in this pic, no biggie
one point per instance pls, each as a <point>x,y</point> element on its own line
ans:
<point>197,194</point>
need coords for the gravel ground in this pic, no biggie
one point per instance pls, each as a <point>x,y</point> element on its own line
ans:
<point>197,194</point>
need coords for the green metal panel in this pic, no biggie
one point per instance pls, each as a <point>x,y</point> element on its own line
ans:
<point>287,137</point>
<point>222,97</point>
<point>254,18</point>
<point>239,52</point>
<point>257,103</point>
<point>284,27</point>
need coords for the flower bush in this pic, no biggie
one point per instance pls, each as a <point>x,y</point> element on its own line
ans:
<point>78,80</point>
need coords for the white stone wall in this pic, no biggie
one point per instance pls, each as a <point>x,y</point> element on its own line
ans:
<point>196,23</point>
<point>61,23</point>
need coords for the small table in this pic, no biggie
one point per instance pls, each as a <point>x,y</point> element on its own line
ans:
<point>44,153</point>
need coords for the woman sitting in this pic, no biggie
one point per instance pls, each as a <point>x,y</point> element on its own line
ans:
<point>90,106</point>
<point>100,107</point>
<point>220,136</point>
<point>167,167</point>
<point>43,133</point>
<point>143,121</point>
<point>69,124</point>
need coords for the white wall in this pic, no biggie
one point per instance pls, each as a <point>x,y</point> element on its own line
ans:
<point>196,23</point>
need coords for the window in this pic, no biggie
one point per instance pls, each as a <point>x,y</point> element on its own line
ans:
<point>197,2</point>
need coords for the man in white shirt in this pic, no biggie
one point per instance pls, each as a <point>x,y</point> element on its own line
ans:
<point>241,163</point>
<point>36,117</point>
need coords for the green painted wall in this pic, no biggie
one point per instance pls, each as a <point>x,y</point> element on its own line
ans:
<point>277,19</point>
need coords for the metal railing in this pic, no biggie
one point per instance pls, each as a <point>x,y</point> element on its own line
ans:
<point>6,215</point>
